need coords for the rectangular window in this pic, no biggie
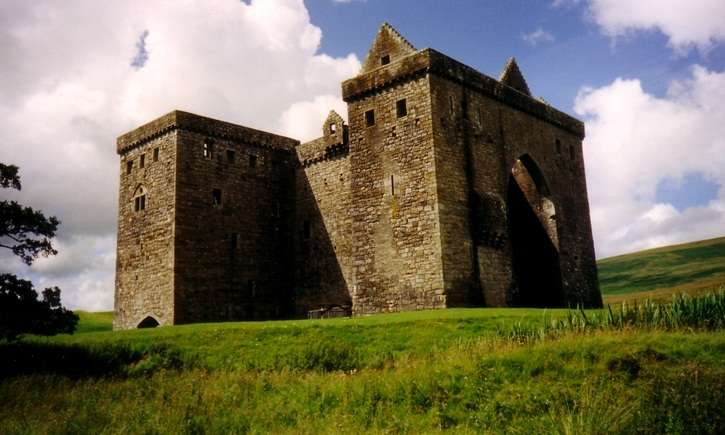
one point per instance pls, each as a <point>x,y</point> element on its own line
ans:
<point>252,161</point>
<point>571,152</point>
<point>231,156</point>
<point>156,154</point>
<point>216,197</point>
<point>370,118</point>
<point>333,128</point>
<point>384,60</point>
<point>142,161</point>
<point>558,146</point>
<point>208,149</point>
<point>401,108</point>
<point>129,166</point>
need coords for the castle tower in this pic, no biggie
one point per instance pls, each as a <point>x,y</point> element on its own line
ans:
<point>205,214</point>
<point>466,190</point>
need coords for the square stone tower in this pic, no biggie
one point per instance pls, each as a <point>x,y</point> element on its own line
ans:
<point>467,191</point>
<point>205,215</point>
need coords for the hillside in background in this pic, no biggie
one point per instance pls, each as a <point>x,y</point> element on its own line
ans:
<point>693,268</point>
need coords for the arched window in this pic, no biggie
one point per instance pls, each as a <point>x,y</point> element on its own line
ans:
<point>139,199</point>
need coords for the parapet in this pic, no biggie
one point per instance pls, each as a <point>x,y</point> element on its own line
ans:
<point>429,61</point>
<point>178,120</point>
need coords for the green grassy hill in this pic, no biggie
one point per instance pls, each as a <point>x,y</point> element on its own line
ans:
<point>464,370</point>
<point>692,268</point>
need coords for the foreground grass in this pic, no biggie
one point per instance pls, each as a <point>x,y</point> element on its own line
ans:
<point>692,268</point>
<point>461,370</point>
<point>651,382</point>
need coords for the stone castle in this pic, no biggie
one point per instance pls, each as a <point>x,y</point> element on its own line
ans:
<point>448,188</point>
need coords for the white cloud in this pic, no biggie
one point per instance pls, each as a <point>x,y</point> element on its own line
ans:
<point>538,36</point>
<point>73,81</point>
<point>635,140</point>
<point>687,24</point>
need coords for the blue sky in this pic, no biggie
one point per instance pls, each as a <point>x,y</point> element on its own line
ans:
<point>647,77</point>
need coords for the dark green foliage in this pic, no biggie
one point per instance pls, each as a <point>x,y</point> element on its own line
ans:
<point>9,176</point>
<point>24,231</point>
<point>22,312</point>
<point>27,233</point>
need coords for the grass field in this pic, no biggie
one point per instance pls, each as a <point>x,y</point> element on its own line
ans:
<point>692,268</point>
<point>656,369</point>
<point>466,370</point>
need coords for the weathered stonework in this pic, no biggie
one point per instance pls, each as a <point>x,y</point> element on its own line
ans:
<point>448,188</point>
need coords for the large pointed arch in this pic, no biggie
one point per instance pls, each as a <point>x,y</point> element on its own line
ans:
<point>531,216</point>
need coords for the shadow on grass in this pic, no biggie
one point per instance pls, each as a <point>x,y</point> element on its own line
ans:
<point>24,358</point>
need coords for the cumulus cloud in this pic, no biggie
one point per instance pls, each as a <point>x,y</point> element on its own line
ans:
<point>538,36</point>
<point>634,141</point>
<point>687,24</point>
<point>79,73</point>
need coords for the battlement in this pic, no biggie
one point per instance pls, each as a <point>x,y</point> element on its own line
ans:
<point>179,120</point>
<point>429,61</point>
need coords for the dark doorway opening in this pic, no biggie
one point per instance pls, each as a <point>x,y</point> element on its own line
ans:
<point>148,322</point>
<point>535,255</point>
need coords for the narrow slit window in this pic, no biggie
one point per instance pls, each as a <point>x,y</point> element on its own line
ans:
<point>558,146</point>
<point>370,118</point>
<point>401,108</point>
<point>571,152</point>
<point>208,149</point>
<point>392,185</point>
<point>142,161</point>
<point>129,166</point>
<point>384,60</point>
<point>252,287</point>
<point>252,161</point>
<point>452,103</point>
<point>234,241</point>
<point>480,118</point>
<point>231,156</point>
<point>216,197</point>
<point>156,154</point>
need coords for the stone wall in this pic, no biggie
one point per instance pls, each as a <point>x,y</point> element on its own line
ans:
<point>322,224</point>
<point>145,254</point>
<point>396,245</point>
<point>235,211</point>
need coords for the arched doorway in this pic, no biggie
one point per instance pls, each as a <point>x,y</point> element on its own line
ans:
<point>534,237</point>
<point>148,322</point>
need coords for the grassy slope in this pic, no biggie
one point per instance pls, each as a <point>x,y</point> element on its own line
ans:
<point>407,372</point>
<point>692,268</point>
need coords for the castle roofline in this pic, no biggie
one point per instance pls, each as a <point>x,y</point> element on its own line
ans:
<point>430,61</point>
<point>180,120</point>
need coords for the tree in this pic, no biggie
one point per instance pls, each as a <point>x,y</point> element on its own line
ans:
<point>28,233</point>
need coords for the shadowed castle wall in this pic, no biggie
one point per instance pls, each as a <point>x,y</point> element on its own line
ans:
<point>322,223</point>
